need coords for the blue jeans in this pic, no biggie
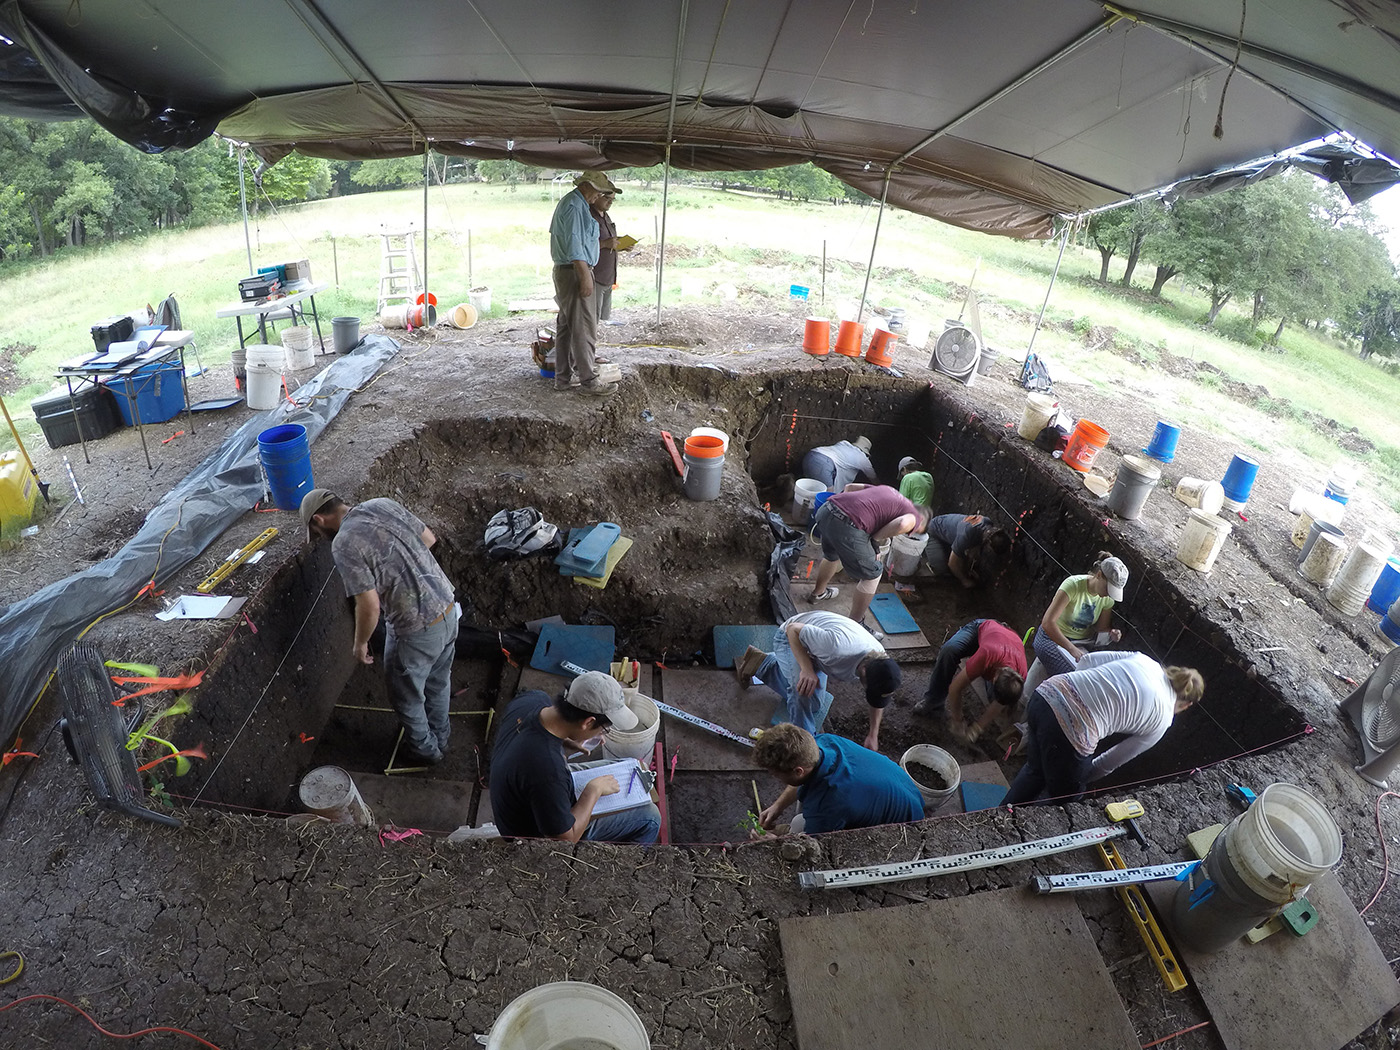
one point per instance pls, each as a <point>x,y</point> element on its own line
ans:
<point>638,824</point>
<point>418,668</point>
<point>1053,767</point>
<point>779,672</point>
<point>955,650</point>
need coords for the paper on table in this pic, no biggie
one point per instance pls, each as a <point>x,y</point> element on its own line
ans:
<point>203,607</point>
<point>635,790</point>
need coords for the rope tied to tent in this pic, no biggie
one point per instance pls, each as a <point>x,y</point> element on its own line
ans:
<point>1234,65</point>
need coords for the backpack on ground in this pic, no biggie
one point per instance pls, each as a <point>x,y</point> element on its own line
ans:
<point>518,533</point>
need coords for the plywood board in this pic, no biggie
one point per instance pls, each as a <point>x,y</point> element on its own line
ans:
<point>983,972</point>
<point>416,801</point>
<point>714,695</point>
<point>801,599</point>
<point>1316,992</point>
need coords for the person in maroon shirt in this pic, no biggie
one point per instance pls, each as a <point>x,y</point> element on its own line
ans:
<point>852,525</point>
<point>994,653</point>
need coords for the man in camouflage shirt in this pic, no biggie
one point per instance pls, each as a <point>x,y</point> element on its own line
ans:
<point>382,553</point>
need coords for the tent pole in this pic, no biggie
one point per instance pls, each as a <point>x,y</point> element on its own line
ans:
<point>682,15</point>
<point>1064,241</point>
<point>426,151</point>
<point>884,194</point>
<point>243,205</point>
<point>661,242</point>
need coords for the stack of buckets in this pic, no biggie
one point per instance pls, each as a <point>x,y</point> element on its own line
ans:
<point>1385,599</point>
<point>704,463</point>
<point>285,453</point>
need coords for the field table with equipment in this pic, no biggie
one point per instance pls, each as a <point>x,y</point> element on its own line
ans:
<point>298,302</point>
<point>169,348</point>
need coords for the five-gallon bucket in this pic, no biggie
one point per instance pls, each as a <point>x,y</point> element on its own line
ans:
<point>1323,559</point>
<point>296,342</point>
<point>880,351</point>
<point>238,361</point>
<point>637,742</point>
<point>1039,410</point>
<point>1315,508</point>
<point>345,333</point>
<point>804,496</point>
<point>1085,444</point>
<point>405,315</point>
<point>1202,540</point>
<point>1387,587</point>
<point>264,374</point>
<point>1137,477</point>
<point>568,1015</point>
<point>714,432</point>
<point>463,315</point>
<point>1341,483</point>
<point>816,336</point>
<point>1162,447</point>
<point>1316,529</point>
<point>704,467</point>
<point>849,337</point>
<point>481,299</point>
<point>331,792</point>
<point>1238,482</point>
<point>932,763</point>
<point>1358,575</point>
<point>1390,622</point>
<point>1200,493</point>
<point>987,360</point>
<point>286,460</point>
<point>906,552</point>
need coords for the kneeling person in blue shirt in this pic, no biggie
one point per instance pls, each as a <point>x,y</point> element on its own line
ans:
<point>839,783</point>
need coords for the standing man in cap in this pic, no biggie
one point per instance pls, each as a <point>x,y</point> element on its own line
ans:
<point>382,553</point>
<point>573,245</point>
<point>840,464</point>
<point>532,788</point>
<point>810,645</point>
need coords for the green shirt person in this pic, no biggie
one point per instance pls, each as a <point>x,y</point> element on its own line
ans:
<point>915,483</point>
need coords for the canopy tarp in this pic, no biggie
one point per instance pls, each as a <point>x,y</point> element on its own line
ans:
<point>994,115</point>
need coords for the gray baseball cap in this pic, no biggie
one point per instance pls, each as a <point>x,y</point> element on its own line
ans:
<point>600,693</point>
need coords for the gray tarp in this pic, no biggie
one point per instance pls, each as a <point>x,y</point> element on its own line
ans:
<point>34,631</point>
<point>995,115</point>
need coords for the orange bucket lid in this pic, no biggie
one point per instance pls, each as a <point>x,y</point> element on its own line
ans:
<point>703,446</point>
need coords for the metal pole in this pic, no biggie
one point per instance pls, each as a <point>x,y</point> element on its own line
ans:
<point>1041,316</point>
<point>426,153</point>
<point>335,262</point>
<point>243,204</point>
<point>823,269</point>
<point>470,285</point>
<point>884,194</point>
<point>661,242</point>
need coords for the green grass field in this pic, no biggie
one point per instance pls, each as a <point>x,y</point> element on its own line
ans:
<point>761,247</point>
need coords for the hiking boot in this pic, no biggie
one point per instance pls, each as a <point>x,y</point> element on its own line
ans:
<point>747,665</point>
<point>926,708</point>
<point>825,596</point>
<point>598,388</point>
<point>410,758</point>
<point>564,384</point>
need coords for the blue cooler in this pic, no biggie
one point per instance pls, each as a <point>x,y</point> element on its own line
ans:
<point>157,390</point>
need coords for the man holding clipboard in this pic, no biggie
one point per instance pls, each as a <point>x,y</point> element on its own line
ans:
<point>535,794</point>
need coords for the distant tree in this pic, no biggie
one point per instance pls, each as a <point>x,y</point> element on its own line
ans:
<point>1376,320</point>
<point>507,171</point>
<point>388,174</point>
<point>1105,233</point>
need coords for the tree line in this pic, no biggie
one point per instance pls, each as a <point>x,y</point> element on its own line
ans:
<point>1290,249</point>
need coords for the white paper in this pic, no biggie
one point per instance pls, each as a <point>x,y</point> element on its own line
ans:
<point>636,788</point>
<point>203,607</point>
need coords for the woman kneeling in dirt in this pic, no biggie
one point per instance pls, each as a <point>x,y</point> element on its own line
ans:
<point>1078,618</point>
<point>1068,717</point>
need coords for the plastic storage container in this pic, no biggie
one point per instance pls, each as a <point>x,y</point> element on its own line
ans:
<point>18,493</point>
<point>568,1015</point>
<point>97,412</point>
<point>156,392</point>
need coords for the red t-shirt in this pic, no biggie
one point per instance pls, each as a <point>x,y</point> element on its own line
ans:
<point>871,509</point>
<point>998,646</point>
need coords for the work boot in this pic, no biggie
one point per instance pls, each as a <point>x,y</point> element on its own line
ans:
<point>598,388</point>
<point>747,665</point>
<point>926,708</point>
<point>565,384</point>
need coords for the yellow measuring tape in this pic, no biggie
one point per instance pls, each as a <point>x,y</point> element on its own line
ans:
<point>239,556</point>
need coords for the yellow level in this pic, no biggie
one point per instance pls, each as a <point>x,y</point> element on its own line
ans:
<point>1145,922</point>
<point>224,571</point>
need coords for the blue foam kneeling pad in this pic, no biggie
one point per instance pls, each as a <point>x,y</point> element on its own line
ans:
<point>893,617</point>
<point>982,796</point>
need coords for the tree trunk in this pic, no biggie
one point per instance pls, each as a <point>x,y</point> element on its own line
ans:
<point>1218,299</point>
<point>1106,254</point>
<point>1258,306</point>
<point>1164,274</point>
<point>1273,341</point>
<point>1133,252</point>
<point>38,227</point>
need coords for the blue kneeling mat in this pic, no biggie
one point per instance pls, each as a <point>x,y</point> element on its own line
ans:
<point>586,553</point>
<point>731,641</point>
<point>591,647</point>
<point>982,796</point>
<point>894,618</point>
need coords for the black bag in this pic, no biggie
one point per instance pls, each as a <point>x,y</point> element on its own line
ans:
<point>1052,439</point>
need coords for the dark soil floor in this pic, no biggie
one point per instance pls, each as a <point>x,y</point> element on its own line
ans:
<point>255,930</point>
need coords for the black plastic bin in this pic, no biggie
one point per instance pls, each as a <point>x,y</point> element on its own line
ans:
<point>97,409</point>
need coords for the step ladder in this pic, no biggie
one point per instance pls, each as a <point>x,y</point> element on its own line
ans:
<point>399,279</point>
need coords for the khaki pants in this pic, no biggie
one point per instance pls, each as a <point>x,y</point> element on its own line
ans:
<point>575,330</point>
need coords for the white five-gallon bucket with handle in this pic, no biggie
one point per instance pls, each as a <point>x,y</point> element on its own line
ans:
<point>568,1015</point>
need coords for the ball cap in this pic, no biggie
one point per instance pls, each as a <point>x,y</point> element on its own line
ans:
<point>908,461</point>
<point>882,677</point>
<point>1115,574</point>
<point>600,694</point>
<point>311,504</point>
<point>597,180</point>
<point>862,443</point>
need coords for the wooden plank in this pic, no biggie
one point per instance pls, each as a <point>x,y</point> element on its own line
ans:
<point>714,695</point>
<point>1316,992</point>
<point>983,972</point>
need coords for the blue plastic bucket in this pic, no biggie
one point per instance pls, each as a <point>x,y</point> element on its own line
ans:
<point>1238,481</point>
<point>1387,588</point>
<point>286,460</point>
<point>1163,444</point>
<point>1390,624</point>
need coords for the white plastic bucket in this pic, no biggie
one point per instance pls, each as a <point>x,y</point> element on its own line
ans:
<point>1201,493</point>
<point>1358,574</point>
<point>638,742</point>
<point>331,792</point>
<point>463,315</point>
<point>1282,842</point>
<point>296,342</point>
<point>919,331</point>
<point>987,360</point>
<point>264,376</point>
<point>1324,559</point>
<point>1039,410</point>
<point>481,299</point>
<point>1316,507</point>
<point>944,763</point>
<point>1202,540</point>
<point>906,552</point>
<point>1341,483</point>
<point>565,1015</point>
<point>714,433</point>
<point>803,496</point>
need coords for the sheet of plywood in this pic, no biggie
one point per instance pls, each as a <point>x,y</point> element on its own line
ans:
<point>983,972</point>
<point>801,599</point>
<point>1316,992</point>
<point>714,695</point>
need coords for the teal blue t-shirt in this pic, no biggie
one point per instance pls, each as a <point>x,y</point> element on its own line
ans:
<point>854,787</point>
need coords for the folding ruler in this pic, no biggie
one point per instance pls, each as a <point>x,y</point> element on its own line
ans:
<point>237,558</point>
<point>1099,880</point>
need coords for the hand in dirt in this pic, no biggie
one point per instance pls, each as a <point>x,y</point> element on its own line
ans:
<point>766,819</point>
<point>806,683</point>
<point>606,785</point>
<point>362,654</point>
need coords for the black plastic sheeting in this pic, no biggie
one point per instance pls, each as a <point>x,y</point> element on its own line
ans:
<point>787,545</point>
<point>26,89</point>
<point>36,630</point>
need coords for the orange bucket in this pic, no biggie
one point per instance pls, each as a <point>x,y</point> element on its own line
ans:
<point>881,343</point>
<point>816,340</point>
<point>703,446</point>
<point>849,337</point>
<point>1085,443</point>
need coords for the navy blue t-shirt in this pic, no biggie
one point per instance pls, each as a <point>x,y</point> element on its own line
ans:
<point>532,793</point>
<point>854,787</point>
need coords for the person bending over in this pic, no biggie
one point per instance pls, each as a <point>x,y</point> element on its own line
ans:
<point>1110,693</point>
<point>852,526</point>
<point>994,653</point>
<point>811,646</point>
<point>915,483</point>
<point>532,791</point>
<point>839,783</point>
<point>838,465</point>
<point>966,545</point>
